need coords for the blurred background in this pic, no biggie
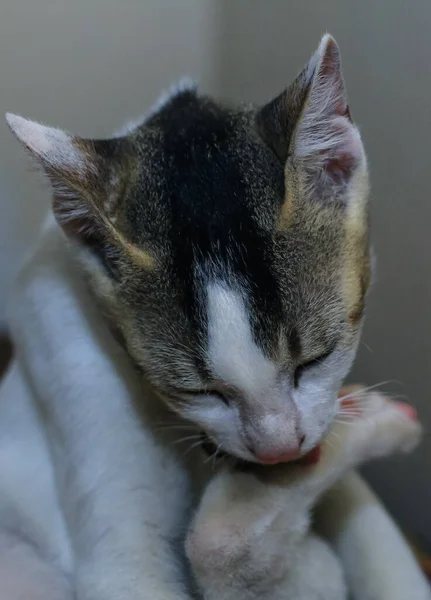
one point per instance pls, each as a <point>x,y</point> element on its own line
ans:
<point>91,65</point>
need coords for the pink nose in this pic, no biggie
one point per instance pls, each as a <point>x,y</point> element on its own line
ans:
<point>276,457</point>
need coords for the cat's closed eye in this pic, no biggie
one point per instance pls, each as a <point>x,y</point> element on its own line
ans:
<point>206,392</point>
<point>306,366</point>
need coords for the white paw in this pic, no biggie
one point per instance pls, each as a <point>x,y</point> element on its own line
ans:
<point>379,426</point>
<point>397,427</point>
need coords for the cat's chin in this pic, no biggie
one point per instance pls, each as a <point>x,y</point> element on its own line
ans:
<point>212,450</point>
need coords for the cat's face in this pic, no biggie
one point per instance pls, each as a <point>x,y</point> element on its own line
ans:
<point>231,249</point>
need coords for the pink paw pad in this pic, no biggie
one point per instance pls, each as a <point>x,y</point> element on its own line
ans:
<point>408,410</point>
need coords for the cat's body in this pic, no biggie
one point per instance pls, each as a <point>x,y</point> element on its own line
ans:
<point>95,504</point>
<point>229,251</point>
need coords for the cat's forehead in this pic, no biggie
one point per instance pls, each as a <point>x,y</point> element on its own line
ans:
<point>207,184</point>
<point>200,160</point>
<point>207,202</point>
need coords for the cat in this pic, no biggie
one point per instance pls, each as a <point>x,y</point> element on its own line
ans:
<point>230,248</point>
<point>209,271</point>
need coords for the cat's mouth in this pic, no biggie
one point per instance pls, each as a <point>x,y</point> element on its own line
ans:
<point>209,447</point>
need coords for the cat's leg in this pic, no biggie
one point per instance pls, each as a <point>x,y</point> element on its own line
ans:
<point>364,535</point>
<point>316,574</point>
<point>250,540</point>
<point>251,530</point>
<point>25,575</point>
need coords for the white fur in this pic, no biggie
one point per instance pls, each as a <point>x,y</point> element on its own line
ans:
<point>232,352</point>
<point>25,575</point>
<point>51,146</point>
<point>56,152</point>
<point>88,486</point>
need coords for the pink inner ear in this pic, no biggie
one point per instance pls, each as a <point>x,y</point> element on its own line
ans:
<point>341,167</point>
<point>341,160</point>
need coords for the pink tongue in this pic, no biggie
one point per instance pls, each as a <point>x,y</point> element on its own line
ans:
<point>312,457</point>
<point>408,410</point>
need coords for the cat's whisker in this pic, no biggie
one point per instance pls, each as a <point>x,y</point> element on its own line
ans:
<point>188,438</point>
<point>364,416</point>
<point>347,421</point>
<point>215,457</point>
<point>360,397</point>
<point>402,397</point>
<point>352,410</point>
<point>330,443</point>
<point>349,416</point>
<point>332,437</point>
<point>388,395</point>
<point>192,446</point>
<point>209,457</point>
<point>362,391</point>
<point>336,435</point>
<point>176,428</point>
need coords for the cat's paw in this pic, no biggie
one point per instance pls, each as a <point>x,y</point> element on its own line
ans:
<point>368,425</point>
<point>374,425</point>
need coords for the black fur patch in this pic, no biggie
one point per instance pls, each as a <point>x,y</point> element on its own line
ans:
<point>209,171</point>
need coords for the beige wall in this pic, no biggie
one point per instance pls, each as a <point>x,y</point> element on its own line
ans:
<point>88,65</point>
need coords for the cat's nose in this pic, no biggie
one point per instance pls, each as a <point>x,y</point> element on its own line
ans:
<point>275,438</point>
<point>278,456</point>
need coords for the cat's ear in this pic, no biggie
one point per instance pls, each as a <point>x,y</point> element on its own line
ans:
<point>86,175</point>
<point>309,125</point>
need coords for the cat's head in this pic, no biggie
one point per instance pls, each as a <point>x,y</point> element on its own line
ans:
<point>231,249</point>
